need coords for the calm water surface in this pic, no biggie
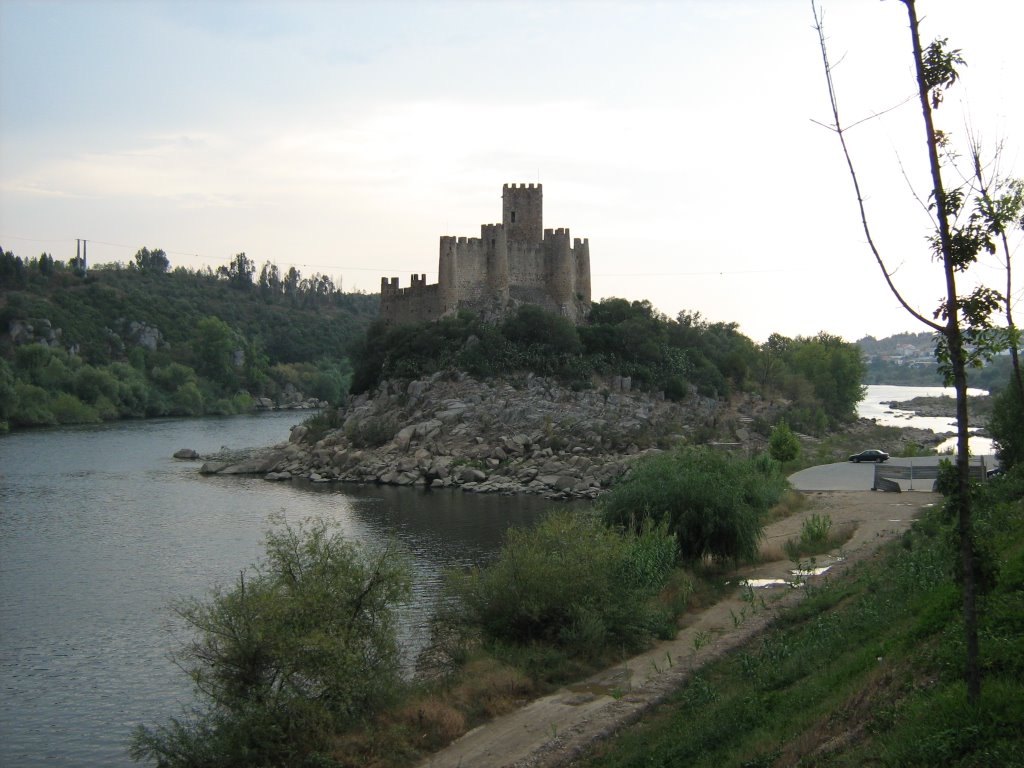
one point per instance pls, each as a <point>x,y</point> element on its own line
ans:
<point>873,406</point>
<point>100,529</point>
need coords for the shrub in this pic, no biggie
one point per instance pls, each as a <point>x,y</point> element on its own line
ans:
<point>31,406</point>
<point>68,409</point>
<point>783,444</point>
<point>372,431</point>
<point>187,400</point>
<point>570,584</point>
<point>712,502</point>
<point>1006,424</point>
<point>303,646</point>
<point>322,422</point>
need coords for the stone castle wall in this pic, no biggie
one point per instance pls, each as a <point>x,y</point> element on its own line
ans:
<point>515,262</point>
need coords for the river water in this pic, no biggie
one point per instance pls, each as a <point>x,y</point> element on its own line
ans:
<point>100,529</point>
<point>875,406</point>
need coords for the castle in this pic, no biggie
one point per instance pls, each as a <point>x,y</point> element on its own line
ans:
<point>512,263</point>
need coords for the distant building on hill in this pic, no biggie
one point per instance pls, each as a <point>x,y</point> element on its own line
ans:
<point>512,263</point>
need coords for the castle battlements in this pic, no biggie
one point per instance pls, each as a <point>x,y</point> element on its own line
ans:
<point>512,263</point>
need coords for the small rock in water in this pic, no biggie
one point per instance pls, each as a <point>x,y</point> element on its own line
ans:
<point>186,453</point>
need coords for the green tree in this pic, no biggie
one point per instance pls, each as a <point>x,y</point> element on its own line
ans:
<point>154,262</point>
<point>302,647</point>
<point>7,393</point>
<point>239,272</point>
<point>570,583</point>
<point>712,502</point>
<point>214,345</point>
<point>834,369</point>
<point>1006,425</point>
<point>783,444</point>
<point>961,321</point>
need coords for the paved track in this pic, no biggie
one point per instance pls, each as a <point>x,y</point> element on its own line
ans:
<point>847,476</point>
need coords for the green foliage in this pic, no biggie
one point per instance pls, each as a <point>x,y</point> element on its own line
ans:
<point>814,537</point>
<point>32,406</point>
<point>187,400</point>
<point>302,647</point>
<point>213,347</point>
<point>712,502</point>
<point>224,341</point>
<point>570,584</point>
<point>154,261</point>
<point>7,391</point>
<point>68,409</point>
<point>1006,425</point>
<point>623,338</point>
<point>322,422</point>
<point>834,369</point>
<point>783,444</point>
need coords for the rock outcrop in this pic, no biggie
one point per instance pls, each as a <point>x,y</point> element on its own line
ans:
<point>531,435</point>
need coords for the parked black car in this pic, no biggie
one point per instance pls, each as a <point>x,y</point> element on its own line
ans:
<point>870,455</point>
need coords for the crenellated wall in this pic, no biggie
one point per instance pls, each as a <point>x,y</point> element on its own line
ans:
<point>515,262</point>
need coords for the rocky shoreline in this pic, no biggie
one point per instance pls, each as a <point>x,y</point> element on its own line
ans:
<point>526,435</point>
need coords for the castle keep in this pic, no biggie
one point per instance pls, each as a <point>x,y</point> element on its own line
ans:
<point>512,263</point>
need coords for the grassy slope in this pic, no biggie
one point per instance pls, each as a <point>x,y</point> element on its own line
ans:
<point>866,671</point>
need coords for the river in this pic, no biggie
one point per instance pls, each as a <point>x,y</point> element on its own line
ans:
<point>875,406</point>
<point>100,529</point>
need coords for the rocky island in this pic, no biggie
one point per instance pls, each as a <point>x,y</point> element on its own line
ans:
<point>524,435</point>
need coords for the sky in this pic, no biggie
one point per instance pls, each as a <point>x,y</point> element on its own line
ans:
<point>684,139</point>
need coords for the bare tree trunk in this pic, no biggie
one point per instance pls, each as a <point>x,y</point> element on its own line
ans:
<point>954,340</point>
<point>950,330</point>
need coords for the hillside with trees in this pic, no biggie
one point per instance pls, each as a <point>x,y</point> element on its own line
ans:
<point>143,339</point>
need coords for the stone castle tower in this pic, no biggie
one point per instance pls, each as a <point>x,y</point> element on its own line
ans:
<point>512,263</point>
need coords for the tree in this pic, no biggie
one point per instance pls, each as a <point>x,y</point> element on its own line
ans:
<point>711,501</point>
<point>154,262</point>
<point>783,444</point>
<point>239,272</point>
<point>214,346</point>
<point>834,369</point>
<point>1000,205</point>
<point>959,319</point>
<point>572,583</point>
<point>302,646</point>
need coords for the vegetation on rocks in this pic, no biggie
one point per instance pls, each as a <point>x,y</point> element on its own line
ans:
<point>818,377</point>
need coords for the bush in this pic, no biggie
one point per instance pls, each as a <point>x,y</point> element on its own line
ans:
<point>1006,424</point>
<point>712,502</point>
<point>31,406</point>
<point>783,444</point>
<point>68,409</point>
<point>302,647</point>
<point>570,584</point>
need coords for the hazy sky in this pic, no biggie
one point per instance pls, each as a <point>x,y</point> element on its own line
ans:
<point>345,137</point>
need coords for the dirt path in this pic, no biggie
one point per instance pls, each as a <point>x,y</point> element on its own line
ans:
<point>553,730</point>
